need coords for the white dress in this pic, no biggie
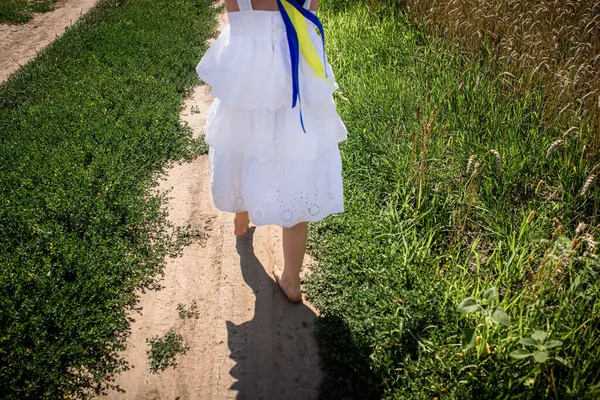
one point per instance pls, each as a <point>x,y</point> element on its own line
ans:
<point>261,161</point>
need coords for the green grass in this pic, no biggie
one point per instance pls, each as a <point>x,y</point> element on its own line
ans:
<point>85,127</point>
<point>21,11</point>
<point>423,230</point>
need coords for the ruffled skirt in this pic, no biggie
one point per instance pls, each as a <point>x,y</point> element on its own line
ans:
<point>261,161</point>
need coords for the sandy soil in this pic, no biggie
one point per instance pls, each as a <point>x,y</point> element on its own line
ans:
<point>20,43</point>
<point>249,341</point>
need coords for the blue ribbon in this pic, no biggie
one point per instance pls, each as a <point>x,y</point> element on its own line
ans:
<point>293,44</point>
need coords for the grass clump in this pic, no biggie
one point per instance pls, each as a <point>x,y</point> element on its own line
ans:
<point>464,245</point>
<point>21,11</point>
<point>86,127</point>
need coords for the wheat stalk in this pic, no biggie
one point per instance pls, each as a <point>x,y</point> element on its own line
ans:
<point>471,162</point>
<point>553,147</point>
<point>476,170</point>
<point>497,160</point>
<point>581,228</point>
<point>588,183</point>
<point>571,129</point>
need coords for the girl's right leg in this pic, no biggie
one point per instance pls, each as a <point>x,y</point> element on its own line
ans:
<point>294,246</point>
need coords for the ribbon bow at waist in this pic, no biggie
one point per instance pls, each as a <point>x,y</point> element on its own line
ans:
<point>294,18</point>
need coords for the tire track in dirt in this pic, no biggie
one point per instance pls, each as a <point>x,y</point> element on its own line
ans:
<point>249,342</point>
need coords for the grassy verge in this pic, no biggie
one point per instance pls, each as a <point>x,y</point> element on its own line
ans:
<point>452,187</point>
<point>85,128</point>
<point>21,11</point>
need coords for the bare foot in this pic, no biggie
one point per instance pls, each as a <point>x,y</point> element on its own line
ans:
<point>241,225</point>
<point>291,289</point>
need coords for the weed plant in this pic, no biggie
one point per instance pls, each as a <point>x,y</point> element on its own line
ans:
<point>162,351</point>
<point>188,312</point>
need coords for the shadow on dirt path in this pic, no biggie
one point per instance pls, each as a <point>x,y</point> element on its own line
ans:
<point>275,352</point>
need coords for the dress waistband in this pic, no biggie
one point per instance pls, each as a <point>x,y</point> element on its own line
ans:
<point>258,23</point>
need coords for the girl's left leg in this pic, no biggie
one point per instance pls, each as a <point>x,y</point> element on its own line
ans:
<point>241,222</point>
<point>294,246</point>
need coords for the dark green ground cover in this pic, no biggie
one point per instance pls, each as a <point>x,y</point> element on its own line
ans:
<point>84,128</point>
<point>424,228</point>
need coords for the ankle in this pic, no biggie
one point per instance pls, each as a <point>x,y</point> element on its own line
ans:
<point>291,277</point>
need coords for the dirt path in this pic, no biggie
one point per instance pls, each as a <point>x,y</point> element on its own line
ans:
<point>20,43</point>
<point>249,342</point>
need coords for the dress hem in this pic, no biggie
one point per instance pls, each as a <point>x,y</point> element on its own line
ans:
<point>277,224</point>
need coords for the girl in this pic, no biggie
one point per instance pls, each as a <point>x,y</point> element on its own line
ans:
<point>273,129</point>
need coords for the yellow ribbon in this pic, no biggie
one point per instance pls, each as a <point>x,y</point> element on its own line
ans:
<point>307,47</point>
